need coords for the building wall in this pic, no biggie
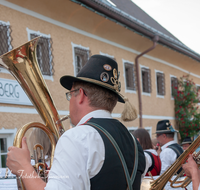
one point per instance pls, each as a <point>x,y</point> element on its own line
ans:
<point>68,23</point>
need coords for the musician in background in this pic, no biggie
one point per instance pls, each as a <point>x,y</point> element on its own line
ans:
<point>84,157</point>
<point>170,149</point>
<point>192,171</point>
<point>186,143</point>
<point>153,162</point>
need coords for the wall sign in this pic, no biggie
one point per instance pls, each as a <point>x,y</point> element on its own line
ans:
<point>12,93</point>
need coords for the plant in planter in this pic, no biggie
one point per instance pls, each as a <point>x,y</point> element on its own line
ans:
<point>186,107</point>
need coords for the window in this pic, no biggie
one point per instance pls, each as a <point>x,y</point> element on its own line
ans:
<point>44,52</point>
<point>160,82</point>
<point>81,58</point>
<point>132,129</point>
<point>146,80</point>
<point>6,140</point>
<point>3,153</point>
<point>44,55</point>
<point>5,37</point>
<point>174,85</point>
<point>129,76</point>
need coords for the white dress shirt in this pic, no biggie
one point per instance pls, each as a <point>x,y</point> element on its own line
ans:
<point>79,156</point>
<point>148,159</point>
<point>167,157</point>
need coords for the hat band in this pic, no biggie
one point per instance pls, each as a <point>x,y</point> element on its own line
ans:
<point>189,142</point>
<point>100,83</point>
<point>166,131</point>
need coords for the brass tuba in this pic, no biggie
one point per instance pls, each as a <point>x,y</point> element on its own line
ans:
<point>160,182</point>
<point>22,63</point>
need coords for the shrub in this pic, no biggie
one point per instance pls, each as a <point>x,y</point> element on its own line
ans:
<point>186,107</point>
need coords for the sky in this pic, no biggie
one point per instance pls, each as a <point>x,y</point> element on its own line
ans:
<point>180,17</point>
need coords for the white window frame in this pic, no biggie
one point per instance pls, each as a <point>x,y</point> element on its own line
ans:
<point>29,31</point>
<point>148,128</point>
<point>157,95</point>
<point>124,75</point>
<point>172,98</point>
<point>143,93</point>
<point>73,54</point>
<point>2,70</point>
<point>9,134</point>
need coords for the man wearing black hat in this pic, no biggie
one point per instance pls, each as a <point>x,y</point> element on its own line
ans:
<point>99,153</point>
<point>170,149</point>
<point>187,141</point>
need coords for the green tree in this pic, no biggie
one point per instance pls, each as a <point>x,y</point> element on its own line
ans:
<point>186,107</point>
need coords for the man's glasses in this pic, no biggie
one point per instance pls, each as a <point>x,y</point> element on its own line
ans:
<point>157,135</point>
<point>69,94</point>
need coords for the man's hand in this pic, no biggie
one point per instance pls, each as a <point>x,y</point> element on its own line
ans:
<point>18,158</point>
<point>190,167</point>
<point>192,171</point>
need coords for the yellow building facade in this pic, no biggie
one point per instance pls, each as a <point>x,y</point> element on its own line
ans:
<point>69,28</point>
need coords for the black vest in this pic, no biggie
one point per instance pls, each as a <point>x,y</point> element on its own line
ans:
<point>112,176</point>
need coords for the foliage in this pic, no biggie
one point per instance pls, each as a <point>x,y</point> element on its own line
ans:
<point>186,107</point>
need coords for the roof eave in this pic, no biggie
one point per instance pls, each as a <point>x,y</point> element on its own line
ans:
<point>138,28</point>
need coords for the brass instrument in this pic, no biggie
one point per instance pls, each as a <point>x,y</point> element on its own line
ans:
<point>22,63</point>
<point>160,182</point>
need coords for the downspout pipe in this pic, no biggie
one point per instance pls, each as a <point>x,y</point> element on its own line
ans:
<point>155,40</point>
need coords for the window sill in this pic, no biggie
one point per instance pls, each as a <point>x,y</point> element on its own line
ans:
<point>146,94</point>
<point>47,77</point>
<point>160,96</point>
<point>130,91</point>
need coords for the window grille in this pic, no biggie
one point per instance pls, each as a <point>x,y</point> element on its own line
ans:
<point>81,58</point>
<point>174,83</point>
<point>146,80</point>
<point>44,54</point>
<point>5,38</point>
<point>3,153</point>
<point>130,76</point>
<point>160,77</point>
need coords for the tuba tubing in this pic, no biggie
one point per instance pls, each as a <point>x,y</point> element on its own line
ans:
<point>22,63</point>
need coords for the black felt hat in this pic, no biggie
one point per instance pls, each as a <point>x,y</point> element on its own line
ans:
<point>164,126</point>
<point>99,70</point>
<point>103,71</point>
<point>187,140</point>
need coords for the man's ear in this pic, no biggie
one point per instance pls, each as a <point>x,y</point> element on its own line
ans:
<point>81,95</point>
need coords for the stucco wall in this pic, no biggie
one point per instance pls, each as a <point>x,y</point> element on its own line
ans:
<point>110,38</point>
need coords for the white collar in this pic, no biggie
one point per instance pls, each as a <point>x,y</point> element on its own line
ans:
<point>167,144</point>
<point>95,114</point>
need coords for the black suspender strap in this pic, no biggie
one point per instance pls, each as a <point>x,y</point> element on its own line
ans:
<point>178,153</point>
<point>129,179</point>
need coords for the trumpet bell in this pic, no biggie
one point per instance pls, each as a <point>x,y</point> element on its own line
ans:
<point>146,184</point>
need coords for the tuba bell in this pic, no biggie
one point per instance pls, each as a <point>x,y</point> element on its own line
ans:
<point>22,63</point>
